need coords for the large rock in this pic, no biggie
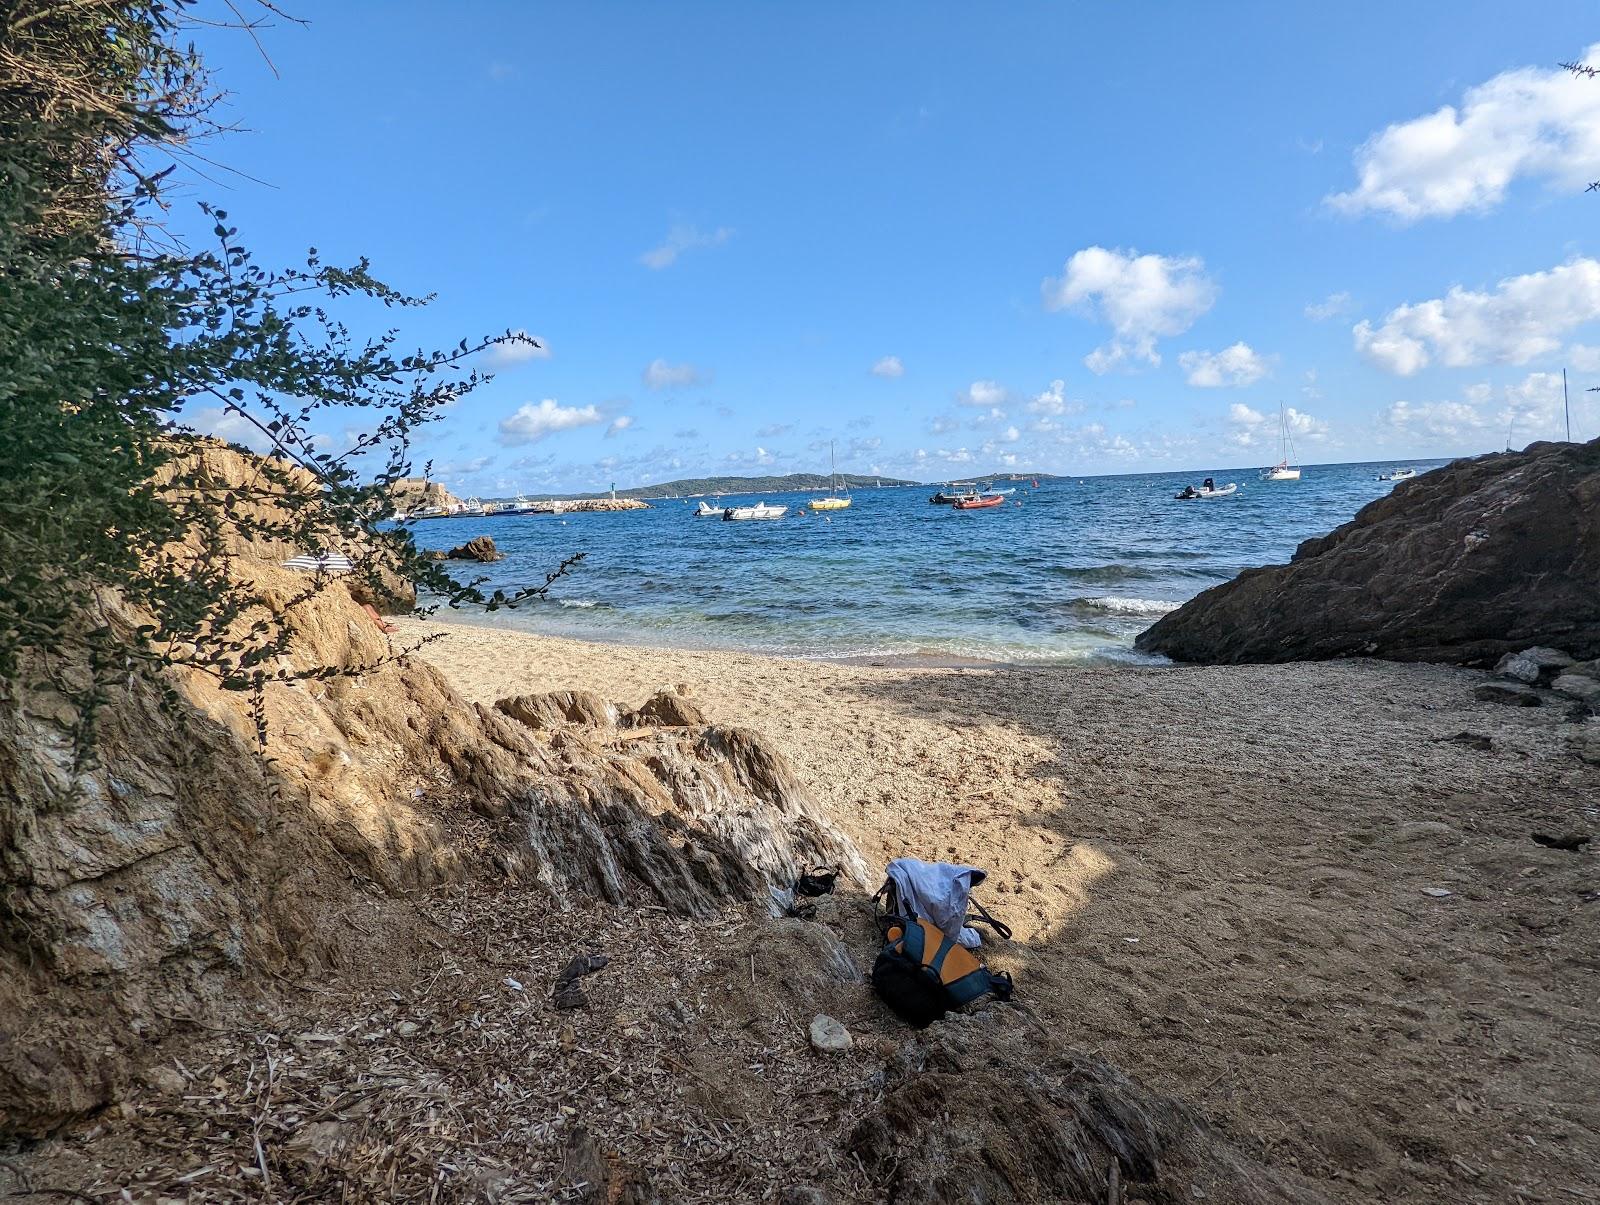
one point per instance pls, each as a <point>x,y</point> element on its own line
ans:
<point>479,548</point>
<point>1463,564</point>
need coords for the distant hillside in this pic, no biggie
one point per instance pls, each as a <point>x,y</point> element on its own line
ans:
<point>740,485</point>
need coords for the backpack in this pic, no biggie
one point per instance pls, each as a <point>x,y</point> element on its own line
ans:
<point>921,974</point>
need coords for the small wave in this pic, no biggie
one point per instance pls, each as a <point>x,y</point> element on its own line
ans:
<point>582,603</point>
<point>1105,573</point>
<point>1127,606</point>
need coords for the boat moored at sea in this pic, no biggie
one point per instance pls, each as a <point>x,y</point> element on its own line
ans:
<point>1208,491</point>
<point>706,511</point>
<point>759,511</point>
<point>977,501</point>
<point>1397,475</point>
<point>1282,471</point>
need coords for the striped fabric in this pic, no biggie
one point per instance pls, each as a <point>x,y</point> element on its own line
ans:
<point>332,562</point>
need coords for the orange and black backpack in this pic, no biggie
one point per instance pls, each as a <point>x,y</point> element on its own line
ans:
<point>922,974</point>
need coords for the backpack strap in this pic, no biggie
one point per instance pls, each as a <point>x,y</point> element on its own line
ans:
<point>982,916</point>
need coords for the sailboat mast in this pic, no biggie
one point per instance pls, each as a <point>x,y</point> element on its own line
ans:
<point>1566,407</point>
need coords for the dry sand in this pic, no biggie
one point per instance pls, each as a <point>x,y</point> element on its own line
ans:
<point>1218,879</point>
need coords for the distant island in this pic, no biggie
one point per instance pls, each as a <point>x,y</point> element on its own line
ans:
<point>689,487</point>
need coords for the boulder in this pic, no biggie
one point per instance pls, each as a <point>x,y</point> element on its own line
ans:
<point>1518,668</point>
<point>479,548</point>
<point>1577,686</point>
<point>1461,565</point>
<point>667,709</point>
<point>1517,694</point>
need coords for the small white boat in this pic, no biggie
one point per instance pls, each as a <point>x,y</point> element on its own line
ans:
<point>759,511</point>
<point>1282,471</point>
<point>1397,475</point>
<point>1219,491</point>
<point>992,492</point>
<point>706,511</point>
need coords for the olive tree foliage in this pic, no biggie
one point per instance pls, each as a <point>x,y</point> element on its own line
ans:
<point>111,334</point>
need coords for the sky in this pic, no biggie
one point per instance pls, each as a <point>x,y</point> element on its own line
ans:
<point>946,239</point>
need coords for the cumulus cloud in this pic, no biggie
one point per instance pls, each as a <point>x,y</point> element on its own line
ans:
<point>619,424</point>
<point>230,426</point>
<point>1531,122</point>
<point>532,423</point>
<point>757,458</point>
<point>658,374</point>
<point>519,349</point>
<point>889,366</point>
<point>1329,307</point>
<point>680,239</point>
<point>1441,420</point>
<point>1054,401</point>
<point>1232,366</point>
<point>939,424</point>
<point>1522,317</point>
<point>1142,297</point>
<point>774,429</point>
<point>986,394</point>
<point>1252,428</point>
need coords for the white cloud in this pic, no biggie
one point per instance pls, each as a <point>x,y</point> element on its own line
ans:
<point>1583,358</point>
<point>658,374</point>
<point>1236,365</point>
<point>986,394</point>
<point>519,349</point>
<point>772,429</point>
<point>1330,307</point>
<point>1530,122</point>
<point>1524,317</point>
<point>1441,420</point>
<point>1010,435</point>
<point>1054,401</point>
<point>1142,297</point>
<point>619,424</point>
<point>230,426</point>
<point>680,239</point>
<point>532,423</point>
<point>1252,428</point>
<point>757,458</point>
<point>939,424</point>
<point>889,366</point>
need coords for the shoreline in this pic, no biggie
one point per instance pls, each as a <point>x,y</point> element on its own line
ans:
<point>1113,656</point>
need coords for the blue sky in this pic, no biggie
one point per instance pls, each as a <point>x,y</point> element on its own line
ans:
<point>950,238</point>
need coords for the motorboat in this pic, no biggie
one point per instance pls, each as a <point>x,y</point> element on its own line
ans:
<point>1397,475</point>
<point>999,493</point>
<point>1214,491</point>
<point>978,501</point>
<point>706,511</point>
<point>759,511</point>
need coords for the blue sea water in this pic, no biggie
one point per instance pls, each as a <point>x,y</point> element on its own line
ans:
<point>1072,574</point>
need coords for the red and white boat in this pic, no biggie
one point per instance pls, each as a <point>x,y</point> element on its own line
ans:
<point>978,501</point>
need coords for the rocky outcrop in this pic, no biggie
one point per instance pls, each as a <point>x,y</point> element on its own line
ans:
<point>158,884</point>
<point>414,493</point>
<point>1463,564</point>
<point>988,1109</point>
<point>479,548</point>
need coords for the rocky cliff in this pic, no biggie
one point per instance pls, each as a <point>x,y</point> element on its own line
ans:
<point>1464,564</point>
<point>142,892</point>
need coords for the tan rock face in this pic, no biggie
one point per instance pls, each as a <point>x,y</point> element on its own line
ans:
<point>160,883</point>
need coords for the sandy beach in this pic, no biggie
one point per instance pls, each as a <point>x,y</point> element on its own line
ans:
<point>1283,894</point>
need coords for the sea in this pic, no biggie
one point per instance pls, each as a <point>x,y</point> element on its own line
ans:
<point>1065,573</point>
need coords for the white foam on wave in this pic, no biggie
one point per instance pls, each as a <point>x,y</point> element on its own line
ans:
<point>1133,606</point>
<point>584,603</point>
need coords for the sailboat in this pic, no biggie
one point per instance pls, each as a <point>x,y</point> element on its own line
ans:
<point>835,500</point>
<point>1281,471</point>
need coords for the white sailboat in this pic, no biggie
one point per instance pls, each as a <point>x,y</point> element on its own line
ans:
<point>1282,470</point>
<point>835,500</point>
